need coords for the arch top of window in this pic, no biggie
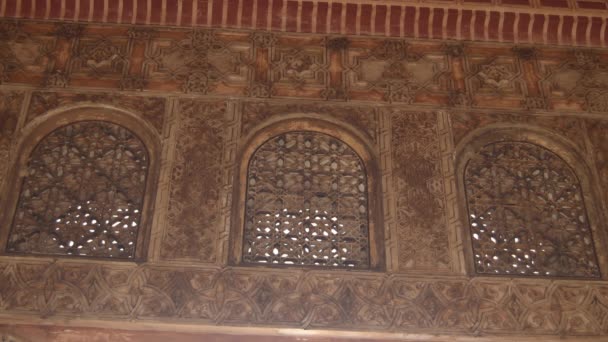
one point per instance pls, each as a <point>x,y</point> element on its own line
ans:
<point>527,197</point>
<point>89,156</point>
<point>297,181</point>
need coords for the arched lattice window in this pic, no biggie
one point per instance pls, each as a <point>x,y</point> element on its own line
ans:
<point>526,213</point>
<point>306,203</point>
<point>82,194</point>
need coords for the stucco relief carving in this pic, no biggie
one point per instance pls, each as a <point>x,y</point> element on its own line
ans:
<point>295,298</point>
<point>419,192</point>
<point>596,132</point>
<point>100,57</point>
<point>297,66</point>
<point>151,109</point>
<point>194,199</point>
<point>567,126</point>
<point>10,106</point>
<point>494,74</point>
<point>200,62</point>
<point>21,52</point>
<point>396,70</point>
<point>363,118</point>
<point>581,76</point>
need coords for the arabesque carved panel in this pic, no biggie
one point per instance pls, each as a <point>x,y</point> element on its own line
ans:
<point>419,192</point>
<point>358,301</point>
<point>82,194</point>
<point>526,213</point>
<point>196,182</point>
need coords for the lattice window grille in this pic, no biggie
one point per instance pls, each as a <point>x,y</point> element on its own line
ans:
<point>306,203</point>
<point>83,193</point>
<point>526,213</point>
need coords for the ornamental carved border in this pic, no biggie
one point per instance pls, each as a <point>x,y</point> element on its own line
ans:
<point>259,64</point>
<point>359,301</point>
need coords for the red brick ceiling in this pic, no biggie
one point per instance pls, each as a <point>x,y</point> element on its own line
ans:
<point>562,22</point>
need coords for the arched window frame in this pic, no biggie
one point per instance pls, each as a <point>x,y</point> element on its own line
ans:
<point>39,128</point>
<point>561,147</point>
<point>320,124</point>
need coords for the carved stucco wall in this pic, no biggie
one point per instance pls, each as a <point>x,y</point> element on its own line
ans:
<point>204,92</point>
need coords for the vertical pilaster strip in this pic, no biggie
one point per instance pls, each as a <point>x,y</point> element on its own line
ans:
<point>239,14</point>
<point>516,28</point>
<point>62,10</point>
<point>560,29</point>
<point>546,30</point>
<point>530,25</point>
<point>180,8</point>
<point>417,22</point>
<point>224,13</point>
<point>472,24</point>
<point>401,22</point>
<point>163,12</point>
<point>254,14</point>
<point>373,20</point>
<point>588,31</point>
<point>501,25</point>
<point>148,12</point>
<point>430,23</point>
<point>120,11</point>
<point>327,19</point>
<point>105,11</point>
<point>573,33</point>
<point>315,9</point>
<point>444,24</point>
<point>284,16</point>
<point>342,18</point>
<point>209,12</point>
<point>486,26</point>
<point>168,148</point>
<point>47,11</point>
<point>358,20</point>
<point>231,139</point>
<point>389,206</point>
<point>592,161</point>
<point>387,20</point>
<point>453,224</point>
<point>195,12</point>
<point>603,33</point>
<point>268,14</point>
<point>134,15</point>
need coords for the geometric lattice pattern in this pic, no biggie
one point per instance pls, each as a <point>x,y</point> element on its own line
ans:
<point>526,213</point>
<point>83,193</point>
<point>306,203</point>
